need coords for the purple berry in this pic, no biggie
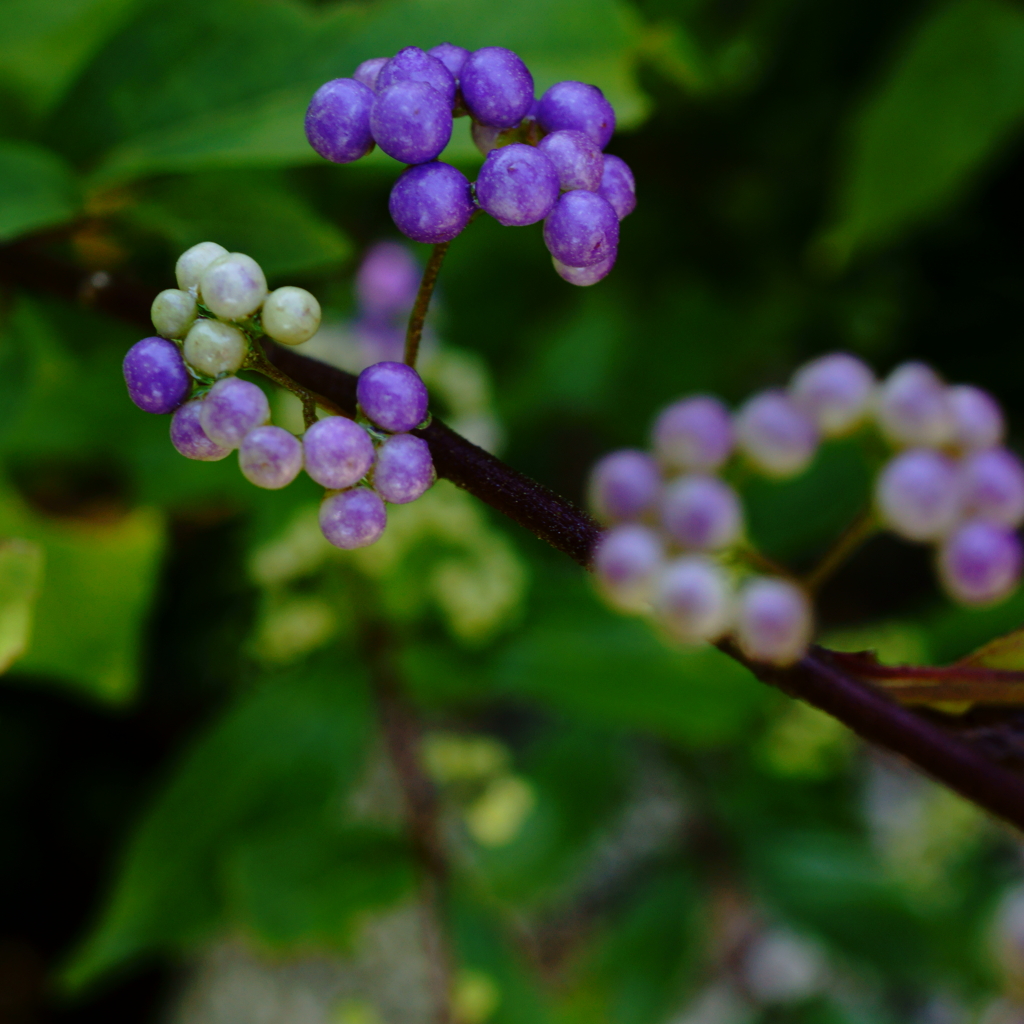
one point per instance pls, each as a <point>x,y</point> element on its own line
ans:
<point>411,121</point>
<point>773,621</point>
<point>338,452</point>
<point>577,159</point>
<point>392,396</point>
<point>977,419</point>
<point>775,435</point>
<point>189,438</point>
<point>584,276</point>
<point>517,185</point>
<point>431,203</point>
<point>404,469</point>
<point>582,229</point>
<point>413,65</point>
<point>387,281</point>
<point>702,513</point>
<point>694,434</point>
<point>917,494</point>
<point>618,185</point>
<point>369,70</point>
<point>624,485</point>
<point>980,563</point>
<point>232,408</point>
<point>913,407</point>
<point>835,391</point>
<point>338,120</point>
<point>353,519</point>
<point>496,87</point>
<point>992,486</point>
<point>627,561</point>
<point>693,599</point>
<point>156,376</point>
<point>580,107</point>
<point>451,56</point>
<point>270,457</point>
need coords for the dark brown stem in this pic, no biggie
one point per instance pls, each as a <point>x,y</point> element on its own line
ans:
<point>402,736</point>
<point>422,304</point>
<point>817,679</point>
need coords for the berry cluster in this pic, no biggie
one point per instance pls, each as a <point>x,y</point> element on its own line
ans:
<point>209,330</point>
<point>544,158</point>
<point>676,539</point>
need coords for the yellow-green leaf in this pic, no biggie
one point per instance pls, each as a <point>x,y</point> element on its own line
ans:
<point>21,571</point>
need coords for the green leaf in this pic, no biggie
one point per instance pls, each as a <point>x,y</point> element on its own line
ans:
<point>246,211</point>
<point>305,884</point>
<point>952,99</point>
<point>36,189</point>
<point>285,752</point>
<point>21,570</point>
<point>46,42</point>
<point>608,669</point>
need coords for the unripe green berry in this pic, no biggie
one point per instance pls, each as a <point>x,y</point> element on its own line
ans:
<point>173,312</point>
<point>213,348</point>
<point>291,315</point>
<point>192,262</point>
<point>233,286</point>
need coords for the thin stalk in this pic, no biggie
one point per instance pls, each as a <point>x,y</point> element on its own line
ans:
<point>423,296</point>
<point>258,362</point>
<point>852,537</point>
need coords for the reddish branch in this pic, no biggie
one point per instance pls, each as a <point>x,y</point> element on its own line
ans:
<point>822,679</point>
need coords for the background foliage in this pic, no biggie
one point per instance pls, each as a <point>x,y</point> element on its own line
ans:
<point>187,750</point>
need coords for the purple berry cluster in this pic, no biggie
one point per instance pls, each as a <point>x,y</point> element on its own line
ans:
<point>676,537</point>
<point>208,327</point>
<point>545,158</point>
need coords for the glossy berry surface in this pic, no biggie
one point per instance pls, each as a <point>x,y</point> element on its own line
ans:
<point>290,315</point>
<point>517,185</point>
<point>497,87</point>
<point>583,277</point>
<point>213,348</point>
<point>270,457</point>
<point>431,203</point>
<point>451,56</point>
<point>192,262</point>
<point>156,376</point>
<point>392,396</point>
<point>233,286</point>
<point>352,519</point>
<point>189,438</point>
<point>624,485</point>
<point>231,409</point>
<point>411,121</point>
<point>404,469</point>
<point>627,561</point>
<point>773,621</point>
<point>369,71</point>
<point>338,120</point>
<point>582,230</point>
<point>980,562</point>
<point>618,185</point>
<point>577,159</point>
<point>338,452</point>
<point>702,513</point>
<point>411,64</point>
<point>173,312</point>
<point>917,494</point>
<point>580,107</point>
<point>694,434</point>
<point>775,435</point>
<point>693,599</point>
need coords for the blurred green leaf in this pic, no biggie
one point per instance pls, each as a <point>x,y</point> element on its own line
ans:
<point>36,189</point>
<point>305,884</point>
<point>21,571</point>
<point>950,101</point>
<point>236,77</point>
<point>604,668</point>
<point>255,212</point>
<point>44,43</point>
<point>284,752</point>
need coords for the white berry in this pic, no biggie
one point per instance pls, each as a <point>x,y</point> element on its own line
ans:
<point>291,315</point>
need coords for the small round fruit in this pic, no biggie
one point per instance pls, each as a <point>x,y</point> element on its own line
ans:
<point>212,348</point>
<point>291,315</point>
<point>353,519</point>
<point>156,376</point>
<point>173,312</point>
<point>192,262</point>
<point>270,457</point>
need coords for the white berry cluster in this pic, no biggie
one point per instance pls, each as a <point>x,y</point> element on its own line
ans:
<point>676,546</point>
